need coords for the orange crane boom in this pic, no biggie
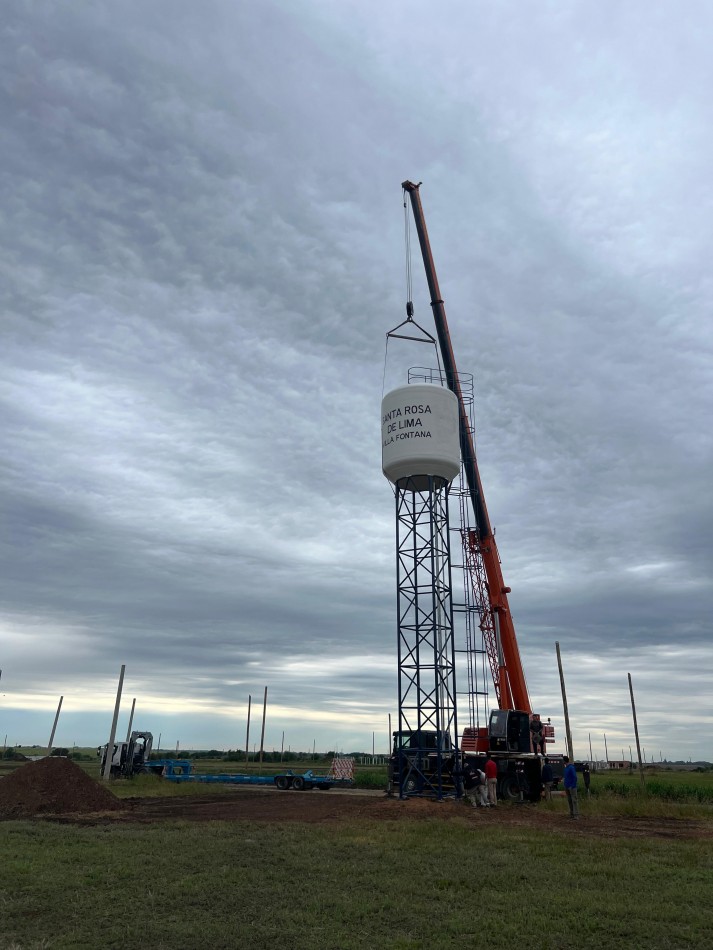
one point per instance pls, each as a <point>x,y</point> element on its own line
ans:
<point>502,648</point>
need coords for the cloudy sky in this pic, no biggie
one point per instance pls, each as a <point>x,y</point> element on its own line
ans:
<point>202,249</point>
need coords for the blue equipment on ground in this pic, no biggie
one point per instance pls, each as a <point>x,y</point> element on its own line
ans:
<point>181,770</point>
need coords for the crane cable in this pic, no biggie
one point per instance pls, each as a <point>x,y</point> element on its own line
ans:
<point>427,337</point>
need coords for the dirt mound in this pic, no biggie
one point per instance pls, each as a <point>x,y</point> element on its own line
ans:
<point>52,786</point>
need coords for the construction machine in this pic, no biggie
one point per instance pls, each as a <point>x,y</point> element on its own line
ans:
<point>508,736</point>
<point>132,757</point>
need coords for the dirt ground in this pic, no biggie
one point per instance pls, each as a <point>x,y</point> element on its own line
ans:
<point>316,807</point>
<point>56,789</point>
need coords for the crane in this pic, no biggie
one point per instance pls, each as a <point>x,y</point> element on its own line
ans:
<point>480,549</point>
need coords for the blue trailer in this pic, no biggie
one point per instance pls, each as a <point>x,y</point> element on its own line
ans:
<point>175,770</point>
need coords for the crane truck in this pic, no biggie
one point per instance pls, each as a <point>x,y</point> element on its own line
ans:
<point>507,738</point>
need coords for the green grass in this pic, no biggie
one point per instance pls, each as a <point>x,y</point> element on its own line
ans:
<point>633,806</point>
<point>667,785</point>
<point>150,786</point>
<point>392,885</point>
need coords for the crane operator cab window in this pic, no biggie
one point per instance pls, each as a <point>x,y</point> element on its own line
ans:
<point>498,729</point>
<point>509,731</point>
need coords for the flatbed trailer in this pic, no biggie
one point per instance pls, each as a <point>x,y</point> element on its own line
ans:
<point>182,771</point>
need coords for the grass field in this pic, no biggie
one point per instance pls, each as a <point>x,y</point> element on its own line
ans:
<point>397,885</point>
<point>661,783</point>
<point>431,883</point>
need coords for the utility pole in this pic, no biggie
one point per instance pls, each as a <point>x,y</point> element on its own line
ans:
<point>591,759</point>
<point>131,719</point>
<point>49,744</point>
<point>570,751</point>
<point>112,736</point>
<point>606,750</point>
<point>282,747</point>
<point>636,731</point>
<point>262,734</point>
<point>247,735</point>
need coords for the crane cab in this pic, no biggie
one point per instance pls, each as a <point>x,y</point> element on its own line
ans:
<point>509,731</point>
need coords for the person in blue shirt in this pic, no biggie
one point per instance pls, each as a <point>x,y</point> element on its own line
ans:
<point>570,787</point>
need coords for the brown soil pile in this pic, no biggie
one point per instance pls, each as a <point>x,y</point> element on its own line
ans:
<point>52,786</point>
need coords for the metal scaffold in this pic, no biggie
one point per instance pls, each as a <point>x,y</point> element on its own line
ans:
<point>473,626</point>
<point>426,657</point>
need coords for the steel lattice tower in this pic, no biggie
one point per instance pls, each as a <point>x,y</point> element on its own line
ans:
<point>426,656</point>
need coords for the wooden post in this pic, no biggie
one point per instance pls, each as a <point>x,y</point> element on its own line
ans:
<point>131,719</point>
<point>636,732</point>
<point>112,736</point>
<point>570,751</point>
<point>49,744</point>
<point>247,735</point>
<point>262,734</point>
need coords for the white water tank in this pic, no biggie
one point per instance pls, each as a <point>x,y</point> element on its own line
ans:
<point>419,434</point>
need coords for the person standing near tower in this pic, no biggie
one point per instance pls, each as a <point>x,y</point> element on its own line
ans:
<point>537,736</point>
<point>570,787</point>
<point>491,774</point>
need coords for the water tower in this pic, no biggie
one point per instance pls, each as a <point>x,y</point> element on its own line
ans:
<point>420,457</point>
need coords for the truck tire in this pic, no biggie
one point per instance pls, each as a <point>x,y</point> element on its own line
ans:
<point>298,783</point>
<point>282,782</point>
<point>410,785</point>
<point>509,789</point>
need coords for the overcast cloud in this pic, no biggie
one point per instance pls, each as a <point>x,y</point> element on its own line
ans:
<point>202,250</point>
